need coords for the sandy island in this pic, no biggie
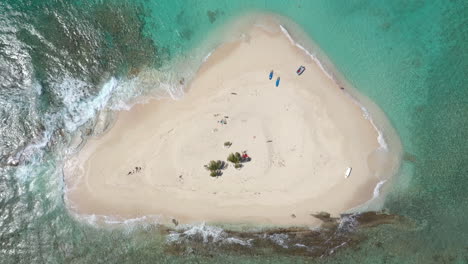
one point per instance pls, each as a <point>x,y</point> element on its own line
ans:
<point>301,137</point>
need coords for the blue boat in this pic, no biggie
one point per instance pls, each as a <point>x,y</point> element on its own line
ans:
<point>271,75</point>
<point>277,81</point>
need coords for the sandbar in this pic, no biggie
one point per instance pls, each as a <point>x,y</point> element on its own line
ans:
<point>302,136</point>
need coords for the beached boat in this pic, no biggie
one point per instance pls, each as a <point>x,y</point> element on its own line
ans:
<point>300,70</point>
<point>348,172</point>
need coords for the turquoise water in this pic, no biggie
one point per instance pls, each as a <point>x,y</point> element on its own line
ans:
<point>62,61</point>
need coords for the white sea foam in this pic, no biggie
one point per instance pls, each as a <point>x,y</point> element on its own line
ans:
<point>377,189</point>
<point>33,147</point>
<point>233,240</point>
<point>77,110</point>
<point>96,219</point>
<point>30,149</point>
<point>367,115</point>
<point>335,248</point>
<point>208,233</point>
<point>312,56</point>
<point>279,239</point>
<point>347,223</point>
<point>285,31</point>
<point>173,91</point>
<point>207,56</point>
<point>374,203</point>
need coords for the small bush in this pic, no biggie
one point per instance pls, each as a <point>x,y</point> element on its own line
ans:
<point>237,165</point>
<point>235,158</point>
<point>231,158</point>
<point>216,165</point>
<point>215,173</point>
<point>227,144</point>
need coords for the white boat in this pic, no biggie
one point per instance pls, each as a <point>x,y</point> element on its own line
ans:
<point>348,172</point>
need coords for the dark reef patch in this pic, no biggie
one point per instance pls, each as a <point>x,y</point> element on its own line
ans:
<point>213,15</point>
<point>409,157</point>
<point>186,34</point>
<point>334,234</point>
<point>66,51</point>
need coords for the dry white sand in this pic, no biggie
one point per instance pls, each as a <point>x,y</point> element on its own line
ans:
<point>301,136</point>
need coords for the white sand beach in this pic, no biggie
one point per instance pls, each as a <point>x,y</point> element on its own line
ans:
<point>301,137</point>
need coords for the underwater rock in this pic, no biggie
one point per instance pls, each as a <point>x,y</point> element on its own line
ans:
<point>372,219</point>
<point>334,234</point>
<point>409,157</point>
<point>213,15</point>
<point>324,216</point>
<point>12,162</point>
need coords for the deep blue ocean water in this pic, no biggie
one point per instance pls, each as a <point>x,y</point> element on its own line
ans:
<point>61,62</point>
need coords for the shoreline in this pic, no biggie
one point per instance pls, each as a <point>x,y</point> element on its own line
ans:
<point>208,57</point>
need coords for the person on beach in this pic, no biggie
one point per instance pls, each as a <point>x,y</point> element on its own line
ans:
<point>245,156</point>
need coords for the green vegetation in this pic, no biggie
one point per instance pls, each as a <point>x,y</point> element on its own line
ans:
<point>215,167</point>
<point>235,158</point>
<point>215,173</point>
<point>227,144</point>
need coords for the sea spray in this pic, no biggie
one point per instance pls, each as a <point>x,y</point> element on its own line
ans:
<point>205,232</point>
<point>78,111</point>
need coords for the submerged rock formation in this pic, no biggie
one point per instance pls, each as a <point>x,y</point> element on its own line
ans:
<point>334,234</point>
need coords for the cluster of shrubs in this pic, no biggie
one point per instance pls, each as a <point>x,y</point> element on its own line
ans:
<point>216,167</point>
<point>235,158</point>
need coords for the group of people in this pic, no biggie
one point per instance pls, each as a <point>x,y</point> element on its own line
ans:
<point>137,169</point>
<point>245,157</point>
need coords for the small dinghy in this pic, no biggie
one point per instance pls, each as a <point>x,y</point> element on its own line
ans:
<point>277,81</point>
<point>348,172</point>
<point>271,75</point>
<point>300,70</point>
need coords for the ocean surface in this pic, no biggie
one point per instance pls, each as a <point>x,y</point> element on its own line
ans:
<point>65,66</point>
